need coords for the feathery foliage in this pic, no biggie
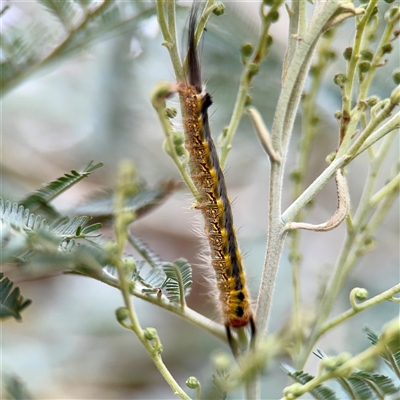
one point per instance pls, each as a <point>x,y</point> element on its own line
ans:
<point>81,23</point>
<point>11,301</point>
<point>319,393</point>
<point>143,200</point>
<point>179,279</point>
<point>38,201</point>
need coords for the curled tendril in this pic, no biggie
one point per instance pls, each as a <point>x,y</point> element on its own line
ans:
<point>359,294</point>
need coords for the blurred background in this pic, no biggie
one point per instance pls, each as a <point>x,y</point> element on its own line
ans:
<point>95,105</point>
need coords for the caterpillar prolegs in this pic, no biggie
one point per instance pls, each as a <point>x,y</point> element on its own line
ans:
<point>215,206</point>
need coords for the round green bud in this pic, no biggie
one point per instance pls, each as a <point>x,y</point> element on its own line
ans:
<point>364,66</point>
<point>368,365</point>
<point>192,382</point>
<point>160,93</point>
<point>387,48</point>
<point>122,313</point>
<point>391,332</point>
<point>348,51</point>
<point>130,264</point>
<point>329,55</point>
<point>342,358</point>
<point>329,363</point>
<point>247,49</point>
<point>361,294</point>
<point>338,114</point>
<point>296,389</point>
<point>150,333</point>
<point>248,101</point>
<point>340,79</point>
<point>110,247</point>
<point>295,176</point>
<point>314,69</point>
<point>269,2</point>
<point>367,55</point>
<point>273,16</point>
<point>131,286</point>
<point>389,1</point>
<point>315,120</point>
<point>330,157</point>
<point>171,112</point>
<point>254,68</point>
<point>219,9</point>
<point>392,15</point>
<point>396,77</point>
<point>372,100</point>
<point>177,138</point>
<point>294,257</point>
<point>369,243</point>
<point>222,361</point>
<point>269,40</point>
<point>395,95</point>
<point>328,34</point>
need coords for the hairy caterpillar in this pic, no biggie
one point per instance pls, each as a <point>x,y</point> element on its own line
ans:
<point>215,205</point>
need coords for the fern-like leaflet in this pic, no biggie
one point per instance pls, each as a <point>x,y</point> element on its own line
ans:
<point>11,301</point>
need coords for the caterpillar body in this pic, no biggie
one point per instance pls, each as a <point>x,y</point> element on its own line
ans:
<point>215,205</point>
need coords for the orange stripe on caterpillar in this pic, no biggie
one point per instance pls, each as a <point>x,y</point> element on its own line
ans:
<point>215,206</point>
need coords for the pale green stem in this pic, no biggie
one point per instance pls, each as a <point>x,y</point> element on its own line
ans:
<point>292,41</point>
<point>205,16</point>
<point>168,30</point>
<point>392,185</point>
<point>302,17</point>
<point>309,131</point>
<point>198,392</point>
<point>351,71</point>
<point>314,188</point>
<point>343,370</point>
<point>170,148</point>
<point>173,45</point>
<point>349,253</point>
<point>372,125</point>
<point>281,130</point>
<point>187,313</point>
<point>122,219</point>
<point>384,296</point>
<point>391,125</point>
<point>245,82</point>
<point>385,39</point>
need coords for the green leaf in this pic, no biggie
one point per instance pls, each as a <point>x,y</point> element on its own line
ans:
<point>152,258</point>
<point>25,236</point>
<point>156,277</point>
<point>111,17</point>
<point>142,201</point>
<point>392,354</point>
<point>180,272</point>
<point>372,336</point>
<point>11,301</point>
<point>65,10</point>
<point>38,201</point>
<point>366,386</point>
<point>359,387</point>
<point>319,393</point>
